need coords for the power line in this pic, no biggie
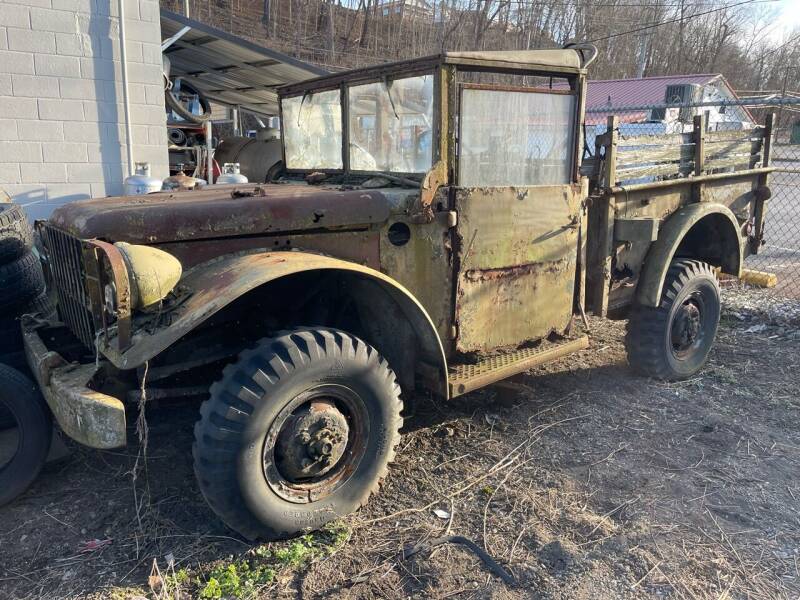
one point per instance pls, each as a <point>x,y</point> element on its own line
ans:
<point>676,20</point>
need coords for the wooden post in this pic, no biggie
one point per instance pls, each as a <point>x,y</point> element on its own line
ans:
<point>759,208</point>
<point>699,138</point>
<point>769,135</point>
<point>610,161</point>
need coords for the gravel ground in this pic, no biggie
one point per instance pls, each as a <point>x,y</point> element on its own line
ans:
<point>583,482</point>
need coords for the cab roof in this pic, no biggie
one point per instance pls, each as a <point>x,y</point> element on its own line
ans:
<point>568,61</point>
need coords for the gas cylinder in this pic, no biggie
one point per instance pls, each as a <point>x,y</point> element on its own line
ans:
<point>141,182</point>
<point>181,182</point>
<point>231,174</point>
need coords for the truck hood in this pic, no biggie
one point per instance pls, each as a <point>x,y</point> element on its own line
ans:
<point>221,211</point>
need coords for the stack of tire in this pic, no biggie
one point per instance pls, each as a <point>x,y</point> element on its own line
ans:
<point>25,420</point>
<point>22,284</point>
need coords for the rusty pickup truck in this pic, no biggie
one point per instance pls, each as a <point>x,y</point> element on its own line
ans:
<point>438,225</point>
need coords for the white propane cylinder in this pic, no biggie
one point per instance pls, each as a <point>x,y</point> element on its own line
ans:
<point>141,182</point>
<point>231,174</point>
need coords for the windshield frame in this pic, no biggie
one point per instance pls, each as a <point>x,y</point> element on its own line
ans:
<point>366,78</point>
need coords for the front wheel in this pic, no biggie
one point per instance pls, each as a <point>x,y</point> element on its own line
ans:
<point>26,430</point>
<point>299,431</point>
<point>672,341</point>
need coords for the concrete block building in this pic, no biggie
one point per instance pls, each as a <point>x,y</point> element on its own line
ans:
<point>62,117</point>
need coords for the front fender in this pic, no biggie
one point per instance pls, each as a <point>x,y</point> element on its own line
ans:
<point>670,236</point>
<point>215,284</point>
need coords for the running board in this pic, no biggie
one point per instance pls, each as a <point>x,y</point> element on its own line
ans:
<point>467,377</point>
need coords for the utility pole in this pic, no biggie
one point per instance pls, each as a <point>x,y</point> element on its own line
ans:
<point>681,27</point>
<point>641,54</point>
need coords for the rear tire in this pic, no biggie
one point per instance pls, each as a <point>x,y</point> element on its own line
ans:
<point>298,432</point>
<point>672,341</point>
<point>21,403</point>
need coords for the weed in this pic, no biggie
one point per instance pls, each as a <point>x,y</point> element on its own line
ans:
<point>238,579</point>
<point>244,576</point>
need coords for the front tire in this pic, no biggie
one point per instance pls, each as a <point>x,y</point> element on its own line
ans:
<point>672,341</point>
<point>26,430</point>
<point>298,432</point>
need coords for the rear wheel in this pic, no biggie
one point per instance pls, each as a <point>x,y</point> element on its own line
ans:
<point>672,341</point>
<point>299,431</point>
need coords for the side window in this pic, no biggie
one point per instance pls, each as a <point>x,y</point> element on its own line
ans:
<point>515,138</point>
<point>390,125</point>
<point>312,130</point>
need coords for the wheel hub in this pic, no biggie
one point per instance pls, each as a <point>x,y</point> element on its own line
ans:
<point>687,326</point>
<point>311,443</point>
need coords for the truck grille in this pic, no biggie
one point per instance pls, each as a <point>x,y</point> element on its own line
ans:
<point>65,257</point>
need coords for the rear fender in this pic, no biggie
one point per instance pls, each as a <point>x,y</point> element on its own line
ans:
<point>215,284</point>
<point>670,236</point>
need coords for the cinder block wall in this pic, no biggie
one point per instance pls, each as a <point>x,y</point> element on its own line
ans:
<point>62,120</point>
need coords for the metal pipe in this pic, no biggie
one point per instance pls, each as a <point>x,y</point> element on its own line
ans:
<point>126,101</point>
<point>209,156</point>
<point>622,189</point>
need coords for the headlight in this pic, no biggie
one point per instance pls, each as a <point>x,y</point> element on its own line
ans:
<point>153,273</point>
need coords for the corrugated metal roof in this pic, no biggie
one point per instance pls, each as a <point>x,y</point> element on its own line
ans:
<point>633,92</point>
<point>619,93</point>
<point>229,69</point>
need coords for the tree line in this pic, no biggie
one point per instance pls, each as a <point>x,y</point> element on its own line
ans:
<point>738,38</point>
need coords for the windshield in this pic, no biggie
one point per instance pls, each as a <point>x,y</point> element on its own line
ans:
<point>312,130</point>
<point>390,125</point>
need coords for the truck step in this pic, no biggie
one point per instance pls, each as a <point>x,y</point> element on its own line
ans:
<point>467,377</point>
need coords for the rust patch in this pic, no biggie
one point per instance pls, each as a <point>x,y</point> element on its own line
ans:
<point>494,274</point>
<point>184,216</point>
<point>123,300</point>
<point>517,254</point>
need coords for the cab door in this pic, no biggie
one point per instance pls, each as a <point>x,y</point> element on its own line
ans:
<point>519,212</point>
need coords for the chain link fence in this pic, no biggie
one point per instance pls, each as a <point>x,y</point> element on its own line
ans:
<point>780,253</point>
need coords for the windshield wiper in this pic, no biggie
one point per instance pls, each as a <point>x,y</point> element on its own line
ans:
<point>389,93</point>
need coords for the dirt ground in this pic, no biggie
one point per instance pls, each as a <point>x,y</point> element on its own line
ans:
<point>588,482</point>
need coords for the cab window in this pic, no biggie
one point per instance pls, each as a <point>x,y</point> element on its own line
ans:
<point>521,137</point>
<point>312,130</point>
<point>390,124</point>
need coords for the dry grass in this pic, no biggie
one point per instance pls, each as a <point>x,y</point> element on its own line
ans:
<point>586,483</point>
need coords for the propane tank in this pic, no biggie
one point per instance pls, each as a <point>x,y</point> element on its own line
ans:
<point>181,182</point>
<point>231,174</point>
<point>141,182</point>
<point>255,157</point>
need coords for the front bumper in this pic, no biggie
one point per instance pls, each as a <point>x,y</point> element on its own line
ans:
<point>89,417</point>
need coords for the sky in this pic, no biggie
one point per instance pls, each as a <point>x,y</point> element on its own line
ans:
<point>788,18</point>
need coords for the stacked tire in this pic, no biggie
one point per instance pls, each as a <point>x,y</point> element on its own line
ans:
<point>25,420</point>
<point>22,284</point>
